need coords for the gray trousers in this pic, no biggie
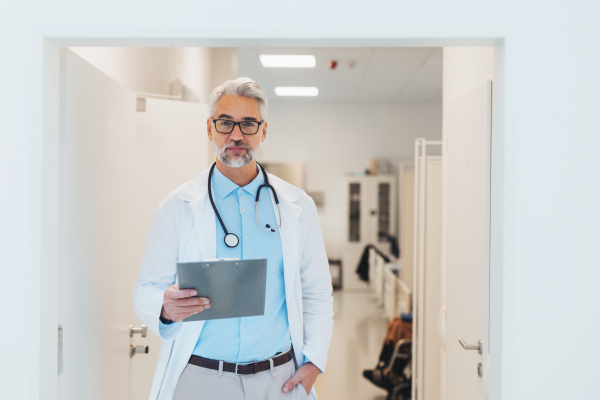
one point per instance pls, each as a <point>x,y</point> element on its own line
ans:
<point>199,383</point>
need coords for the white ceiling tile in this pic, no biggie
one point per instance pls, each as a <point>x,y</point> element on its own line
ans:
<point>362,74</point>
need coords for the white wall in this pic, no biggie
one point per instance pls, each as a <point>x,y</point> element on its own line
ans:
<point>334,139</point>
<point>551,220</point>
<point>153,69</point>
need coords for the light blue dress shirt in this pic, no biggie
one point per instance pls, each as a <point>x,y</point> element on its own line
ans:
<point>248,339</point>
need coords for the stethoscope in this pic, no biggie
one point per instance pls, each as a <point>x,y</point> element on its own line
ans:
<point>231,240</point>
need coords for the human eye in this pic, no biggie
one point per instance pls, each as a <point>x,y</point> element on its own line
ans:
<point>248,124</point>
<point>225,123</point>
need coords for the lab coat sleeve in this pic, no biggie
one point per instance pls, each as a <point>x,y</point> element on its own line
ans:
<point>317,302</point>
<point>158,271</point>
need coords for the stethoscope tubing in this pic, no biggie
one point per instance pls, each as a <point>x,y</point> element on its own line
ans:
<point>266,184</point>
<point>212,202</point>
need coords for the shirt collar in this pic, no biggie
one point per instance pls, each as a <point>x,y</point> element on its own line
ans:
<point>224,186</point>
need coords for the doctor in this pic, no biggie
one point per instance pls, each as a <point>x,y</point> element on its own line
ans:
<point>274,356</point>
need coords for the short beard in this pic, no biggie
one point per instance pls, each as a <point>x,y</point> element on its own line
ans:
<point>236,162</point>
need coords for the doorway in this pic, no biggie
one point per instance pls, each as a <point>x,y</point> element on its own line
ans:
<point>62,50</point>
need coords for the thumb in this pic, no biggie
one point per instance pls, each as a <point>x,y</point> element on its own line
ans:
<point>289,385</point>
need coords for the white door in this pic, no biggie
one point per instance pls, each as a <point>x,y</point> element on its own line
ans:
<point>467,160</point>
<point>171,148</point>
<point>97,220</point>
<point>118,166</point>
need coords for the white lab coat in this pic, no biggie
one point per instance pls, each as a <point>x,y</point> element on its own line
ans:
<point>183,230</point>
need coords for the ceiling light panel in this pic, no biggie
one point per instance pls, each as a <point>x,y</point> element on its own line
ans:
<point>296,91</point>
<point>289,61</point>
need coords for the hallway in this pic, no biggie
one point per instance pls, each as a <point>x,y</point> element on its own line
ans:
<point>358,333</point>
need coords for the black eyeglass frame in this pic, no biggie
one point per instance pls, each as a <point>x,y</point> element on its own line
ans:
<point>236,123</point>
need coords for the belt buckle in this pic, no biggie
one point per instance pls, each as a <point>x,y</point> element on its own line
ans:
<point>254,368</point>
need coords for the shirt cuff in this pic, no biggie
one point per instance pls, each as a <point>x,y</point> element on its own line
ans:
<point>168,330</point>
<point>306,360</point>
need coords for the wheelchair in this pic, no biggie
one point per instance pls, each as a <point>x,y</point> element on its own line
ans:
<point>394,373</point>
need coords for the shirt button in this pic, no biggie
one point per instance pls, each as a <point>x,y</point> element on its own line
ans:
<point>246,237</point>
<point>243,328</point>
<point>240,191</point>
<point>242,357</point>
<point>243,210</point>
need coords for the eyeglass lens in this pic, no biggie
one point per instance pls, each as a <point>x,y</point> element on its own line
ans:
<point>247,127</point>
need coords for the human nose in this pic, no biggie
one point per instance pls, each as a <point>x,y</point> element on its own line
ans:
<point>236,133</point>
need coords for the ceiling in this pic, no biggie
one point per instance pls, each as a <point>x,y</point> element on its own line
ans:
<point>363,74</point>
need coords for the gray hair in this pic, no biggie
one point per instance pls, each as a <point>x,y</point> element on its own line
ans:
<point>242,87</point>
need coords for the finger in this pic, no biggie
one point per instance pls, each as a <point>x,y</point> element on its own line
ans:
<point>180,294</point>
<point>289,385</point>
<point>182,316</point>
<point>191,301</point>
<point>187,309</point>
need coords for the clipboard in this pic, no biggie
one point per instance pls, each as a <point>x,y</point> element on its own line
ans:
<point>236,288</point>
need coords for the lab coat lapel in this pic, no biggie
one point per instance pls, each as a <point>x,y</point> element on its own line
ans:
<point>290,239</point>
<point>196,193</point>
<point>205,225</point>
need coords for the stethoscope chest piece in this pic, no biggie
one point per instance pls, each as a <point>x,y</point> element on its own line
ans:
<point>231,240</point>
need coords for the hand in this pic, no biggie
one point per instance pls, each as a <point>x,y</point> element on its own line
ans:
<point>180,304</point>
<point>306,375</point>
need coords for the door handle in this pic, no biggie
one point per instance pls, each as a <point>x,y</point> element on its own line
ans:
<point>143,330</point>
<point>133,350</point>
<point>478,346</point>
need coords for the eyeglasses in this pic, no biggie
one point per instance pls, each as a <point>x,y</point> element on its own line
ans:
<point>227,126</point>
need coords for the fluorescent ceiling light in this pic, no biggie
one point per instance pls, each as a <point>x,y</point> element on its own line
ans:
<point>280,61</point>
<point>296,91</point>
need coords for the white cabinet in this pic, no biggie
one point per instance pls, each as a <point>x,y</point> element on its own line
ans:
<point>369,207</point>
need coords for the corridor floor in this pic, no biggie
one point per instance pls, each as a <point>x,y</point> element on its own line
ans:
<point>358,333</point>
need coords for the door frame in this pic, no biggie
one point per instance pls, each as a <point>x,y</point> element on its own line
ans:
<point>48,54</point>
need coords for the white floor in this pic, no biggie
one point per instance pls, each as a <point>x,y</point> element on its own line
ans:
<point>358,333</point>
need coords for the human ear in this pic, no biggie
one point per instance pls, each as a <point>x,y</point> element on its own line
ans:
<point>264,132</point>
<point>209,129</point>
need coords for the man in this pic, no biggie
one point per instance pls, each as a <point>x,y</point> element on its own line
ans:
<point>274,356</point>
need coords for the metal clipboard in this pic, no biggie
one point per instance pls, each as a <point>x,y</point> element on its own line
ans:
<point>236,288</point>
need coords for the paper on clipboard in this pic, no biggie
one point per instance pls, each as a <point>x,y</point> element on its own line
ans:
<point>236,288</point>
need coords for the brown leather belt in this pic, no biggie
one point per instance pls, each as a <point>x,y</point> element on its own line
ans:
<point>241,369</point>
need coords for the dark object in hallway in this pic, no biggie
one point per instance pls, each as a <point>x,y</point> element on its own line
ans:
<point>363,266</point>
<point>392,373</point>
<point>394,249</point>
